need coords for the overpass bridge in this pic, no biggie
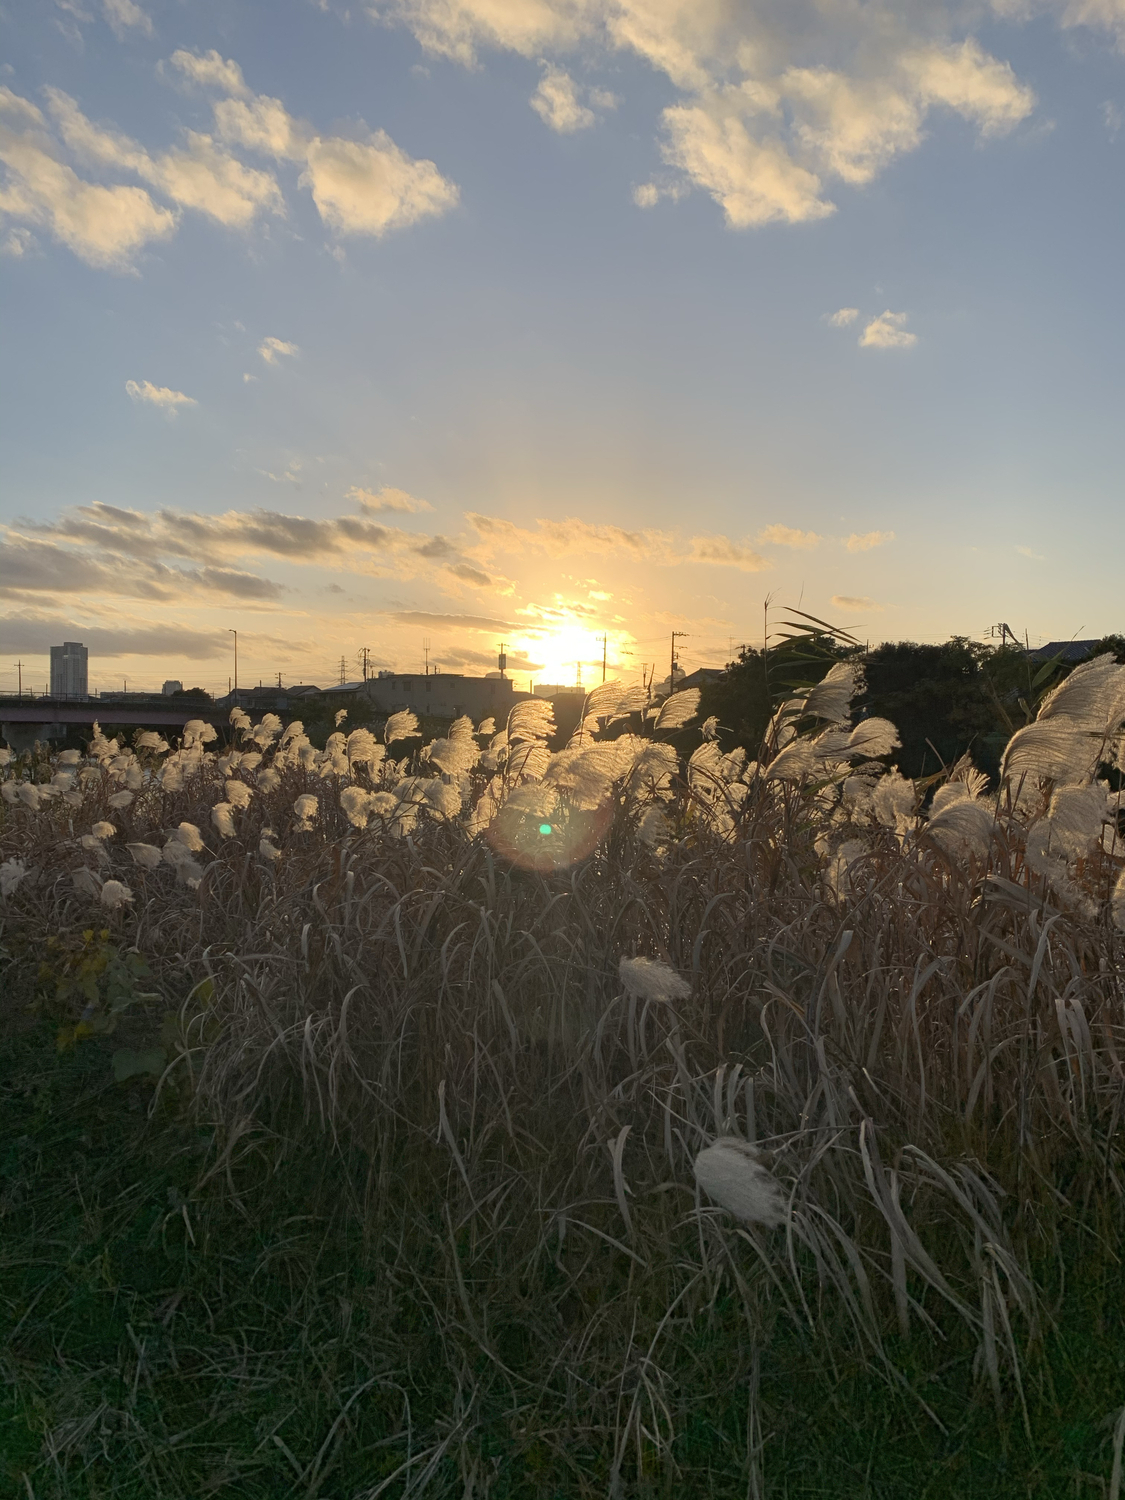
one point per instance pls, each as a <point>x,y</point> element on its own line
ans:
<point>24,719</point>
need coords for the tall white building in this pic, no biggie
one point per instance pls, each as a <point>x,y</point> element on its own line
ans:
<point>70,670</point>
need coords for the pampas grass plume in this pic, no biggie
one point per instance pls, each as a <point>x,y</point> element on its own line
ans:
<point>649,979</point>
<point>731,1172</point>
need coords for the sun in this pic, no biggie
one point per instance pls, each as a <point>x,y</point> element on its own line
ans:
<point>562,648</point>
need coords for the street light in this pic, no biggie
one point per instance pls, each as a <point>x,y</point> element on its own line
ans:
<point>235,634</point>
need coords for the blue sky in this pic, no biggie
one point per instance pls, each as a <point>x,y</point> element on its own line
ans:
<point>532,320</point>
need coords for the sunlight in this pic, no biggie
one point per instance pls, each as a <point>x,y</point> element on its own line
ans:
<point>563,648</point>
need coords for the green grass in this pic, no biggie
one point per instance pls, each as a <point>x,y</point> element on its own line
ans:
<point>291,1329</point>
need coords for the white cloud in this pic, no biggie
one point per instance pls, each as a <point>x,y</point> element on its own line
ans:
<point>647,195</point>
<point>211,70</point>
<point>754,180</point>
<point>105,226</point>
<point>376,502</point>
<point>1112,118</point>
<point>1034,556</point>
<point>843,317</point>
<point>887,331</point>
<point>556,102</point>
<point>272,349</point>
<point>203,176</point>
<point>775,100</point>
<point>370,187</point>
<point>868,540</point>
<point>856,603</point>
<point>19,242</point>
<point>787,536</point>
<point>365,185</point>
<point>124,15</point>
<point>159,395</point>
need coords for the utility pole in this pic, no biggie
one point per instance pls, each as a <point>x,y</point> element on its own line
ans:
<point>676,635</point>
<point>19,669</point>
<point>343,670</point>
<point>502,658</point>
<point>235,634</point>
<point>426,652</point>
<point>578,679</point>
<point>605,647</point>
<point>364,653</point>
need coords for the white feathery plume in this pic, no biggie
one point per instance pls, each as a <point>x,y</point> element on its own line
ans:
<point>268,780</point>
<point>443,799</point>
<point>400,726</point>
<point>9,793</point>
<point>115,895</point>
<point>221,817</point>
<point>294,730</point>
<point>653,770</point>
<point>363,749</point>
<point>189,836</point>
<point>267,849</point>
<point>148,856</point>
<point>354,801</point>
<point>95,847</point>
<point>30,795</point>
<point>341,715</point>
<point>893,801</point>
<point>1092,696</point>
<point>1076,816</point>
<point>792,763</point>
<point>238,793</point>
<point>531,759</point>
<point>1117,902</point>
<point>306,806</point>
<point>240,720</point>
<point>873,738</point>
<point>103,830</point>
<point>12,871</point>
<point>267,729</point>
<point>6,756</point>
<point>487,726</point>
<point>649,979</point>
<point>149,740</point>
<point>831,698</point>
<point>65,757</point>
<point>653,827</point>
<point>709,729</point>
<point>678,710</point>
<point>118,800</point>
<point>530,720</point>
<point>453,756</point>
<point>963,826</point>
<point>62,781</point>
<point>732,1173</point>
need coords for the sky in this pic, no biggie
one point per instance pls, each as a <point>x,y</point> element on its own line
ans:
<point>425,325</point>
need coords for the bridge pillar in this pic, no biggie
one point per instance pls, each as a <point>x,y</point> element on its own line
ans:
<point>22,737</point>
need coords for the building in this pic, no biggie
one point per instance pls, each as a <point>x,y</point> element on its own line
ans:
<point>443,695</point>
<point>70,667</point>
<point>173,685</point>
<point>1068,651</point>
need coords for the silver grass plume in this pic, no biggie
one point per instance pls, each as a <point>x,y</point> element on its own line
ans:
<point>678,710</point>
<point>732,1173</point>
<point>400,726</point>
<point>649,979</point>
<point>831,698</point>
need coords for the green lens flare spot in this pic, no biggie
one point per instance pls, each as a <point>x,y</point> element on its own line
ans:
<point>545,828</point>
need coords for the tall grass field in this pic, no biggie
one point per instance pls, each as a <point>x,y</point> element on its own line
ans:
<point>639,1118</point>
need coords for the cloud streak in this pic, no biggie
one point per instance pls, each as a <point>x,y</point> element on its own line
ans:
<point>158,395</point>
<point>562,538</point>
